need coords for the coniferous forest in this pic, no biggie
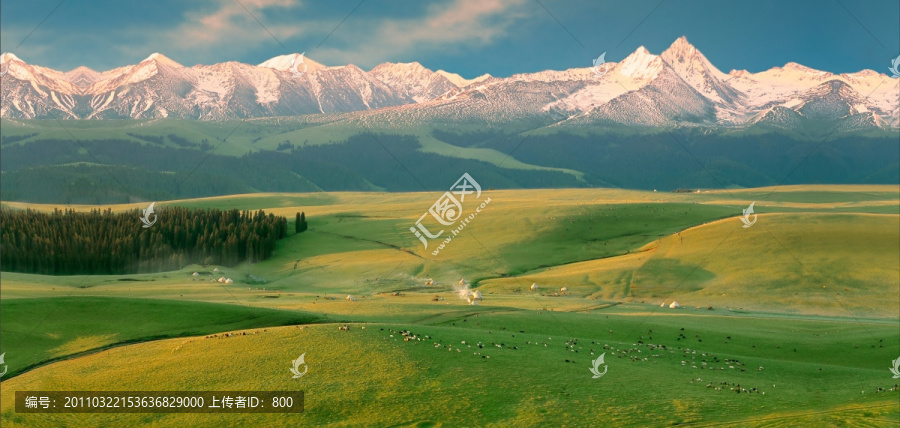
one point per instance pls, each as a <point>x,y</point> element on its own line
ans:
<point>57,171</point>
<point>103,242</point>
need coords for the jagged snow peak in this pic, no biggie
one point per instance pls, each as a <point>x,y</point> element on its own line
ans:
<point>286,62</point>
<point>7,57</point>
<point>413,81</point>
<point>162,59</point>
<point>678,86</point>
<point>640,65</point>
<point>460,81</point>
<point>695,69</point>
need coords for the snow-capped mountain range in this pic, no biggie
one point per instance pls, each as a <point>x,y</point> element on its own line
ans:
<point>679,87</point>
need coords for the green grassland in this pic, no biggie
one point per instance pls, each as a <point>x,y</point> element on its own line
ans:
<point>803,305</point>
<point>237,137</point>
<point>45,329</point>
<point>232,138</point>
<point>118,161</point>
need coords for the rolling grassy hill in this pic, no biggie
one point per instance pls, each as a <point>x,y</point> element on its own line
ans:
<point>365,376</point>
<point>813,263</point>
<point>619,254</point>
<point>122,161</point>
<point>42,330</point>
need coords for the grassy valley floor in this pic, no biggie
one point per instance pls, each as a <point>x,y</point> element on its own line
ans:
<point>802,310</point>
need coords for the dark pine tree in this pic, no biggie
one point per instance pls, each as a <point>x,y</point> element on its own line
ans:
<point>103,242</point>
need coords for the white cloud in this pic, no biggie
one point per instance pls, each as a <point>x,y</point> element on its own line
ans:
<point>223,33</point>
<point>457,25</point>
<point>221,30</point>
<point>230,20</point>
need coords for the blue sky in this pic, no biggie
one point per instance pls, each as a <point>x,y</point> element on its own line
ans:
<point>469,37</point>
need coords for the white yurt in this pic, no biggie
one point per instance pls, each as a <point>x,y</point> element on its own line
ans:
<point>534,286</point>
<point>222,279</point>
<point>196,274</point>
<point>564,289</point>
<point>674,305</point>
<point>216,270</point>
<point>662,305</point>
<point>351,298</point>
<point>229,281</point>
<point>477,295</point>
<point>462,282</point>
